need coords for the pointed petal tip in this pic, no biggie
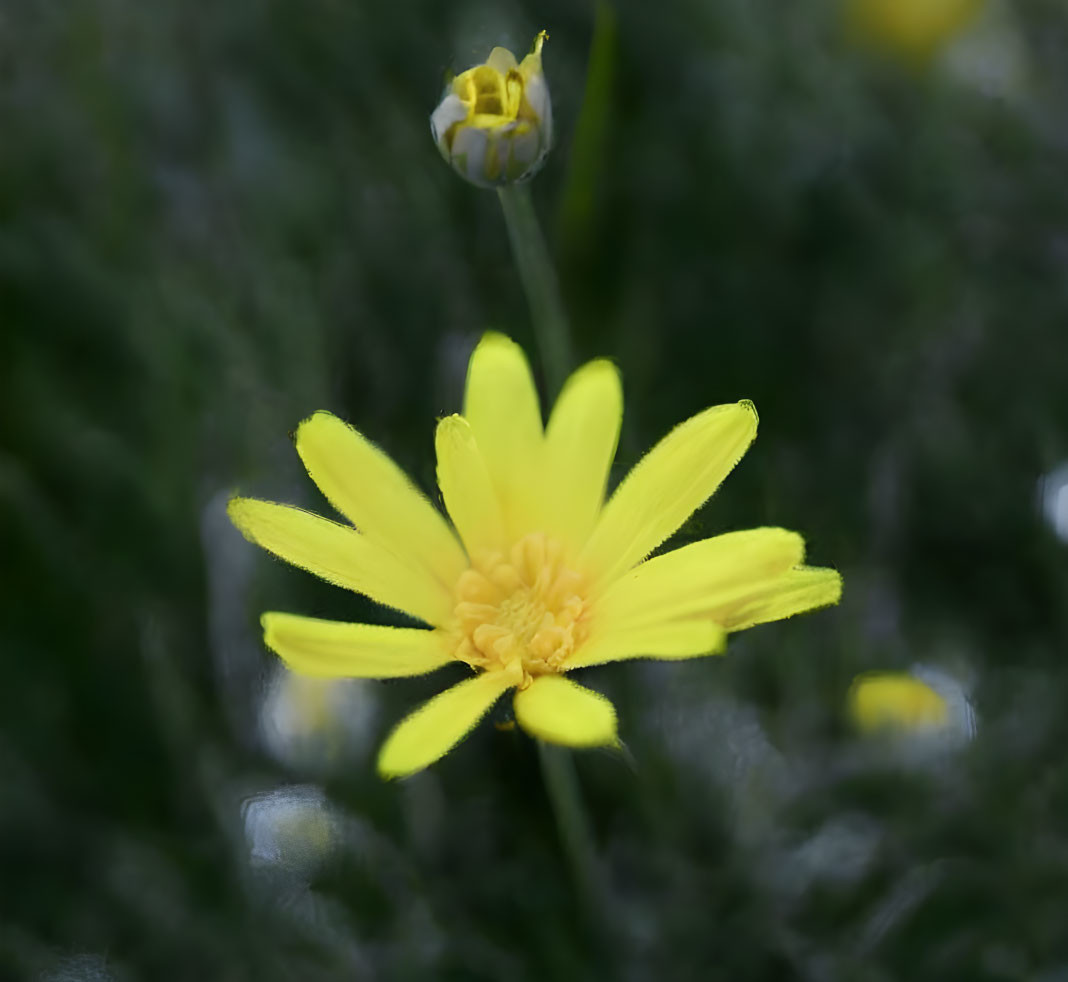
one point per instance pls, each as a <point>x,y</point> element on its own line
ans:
<point>313,435</point>
<point>271,623</point>
<point>454,424</point>
<point>834,584</point>
<point>318,418</point>
<point>238,510</point>
<point>749,407</point>
<point>829,581</point>
<point>498,344</point>
<point>386,773</point>
<point>600,367</point>
<point>388,764</point>
<point>495,339</point>
<point>531,63</point>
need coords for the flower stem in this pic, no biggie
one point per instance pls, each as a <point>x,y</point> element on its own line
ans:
<point>539,283</point>
<point>561,785</point>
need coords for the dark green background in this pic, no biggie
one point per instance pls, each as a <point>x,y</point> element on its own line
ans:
<point>217,218</point>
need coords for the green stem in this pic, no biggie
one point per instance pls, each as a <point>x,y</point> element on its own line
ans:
<point>539,283</point>
<point>561,784</point>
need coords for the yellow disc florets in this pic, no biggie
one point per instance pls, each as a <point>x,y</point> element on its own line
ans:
<point>522,612</point>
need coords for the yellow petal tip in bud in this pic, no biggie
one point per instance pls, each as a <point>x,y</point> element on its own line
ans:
<point>494,122</point>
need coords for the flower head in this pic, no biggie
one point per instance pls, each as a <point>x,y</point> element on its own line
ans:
<point>537,575</point>
<point>494,123</point>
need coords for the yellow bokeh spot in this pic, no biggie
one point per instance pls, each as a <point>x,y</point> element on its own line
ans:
<point>883,701</point>
<point>917,28</point>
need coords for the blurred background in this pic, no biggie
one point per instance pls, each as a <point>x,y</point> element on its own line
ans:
<point>215,219</point>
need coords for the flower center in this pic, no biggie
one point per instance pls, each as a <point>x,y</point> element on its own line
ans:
<point>522,612</point>
<point>492,99</point>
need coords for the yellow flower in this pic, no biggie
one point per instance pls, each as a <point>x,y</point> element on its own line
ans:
<point>891,701</point>
<point>541,576</point>
<point>912,27</point>
<point>494,124</point>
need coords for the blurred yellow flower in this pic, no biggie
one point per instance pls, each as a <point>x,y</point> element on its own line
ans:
<point>896,701</point>
<point>315,723</point>
<point>541,576</point>
<point>912,27</point>
<point>494,124</point>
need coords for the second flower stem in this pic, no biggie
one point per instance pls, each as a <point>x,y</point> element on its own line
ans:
<point>539,283</point>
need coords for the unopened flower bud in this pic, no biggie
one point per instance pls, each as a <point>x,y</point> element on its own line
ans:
<point>494,123</point>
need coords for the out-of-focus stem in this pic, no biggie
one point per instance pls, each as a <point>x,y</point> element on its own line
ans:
<point>561,785</point>
<point>539,283</point>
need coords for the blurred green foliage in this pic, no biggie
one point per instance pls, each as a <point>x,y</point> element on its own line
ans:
<point>217,219</point>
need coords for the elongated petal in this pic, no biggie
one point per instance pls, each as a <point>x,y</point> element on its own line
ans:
<point>580,443</point>
<point>698,578</point>
<point>466,487</point>
<point>341,555</point>
<point>666,486</point>
<point>794,592</point>
<point>362,483</point>
<point>557,710</point>
<point>501,404</point>
<point>667,640</point>
<point>334,649</point>
<point>438,725</point>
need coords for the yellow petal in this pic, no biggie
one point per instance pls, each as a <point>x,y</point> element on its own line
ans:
<point>341,555</point>
<point>668,640</point>
<point>466,487</point>
<point>794,592</point>
<point>438,725</point>
<point>371,491</point>
<point>333,649</point>
<point>580,443</point>
<point>501,60</point>
<point>698,578</point>
<point>557,710</point>
<point>895,701</point>
<point>666,486</point>
<point>501,404</point>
